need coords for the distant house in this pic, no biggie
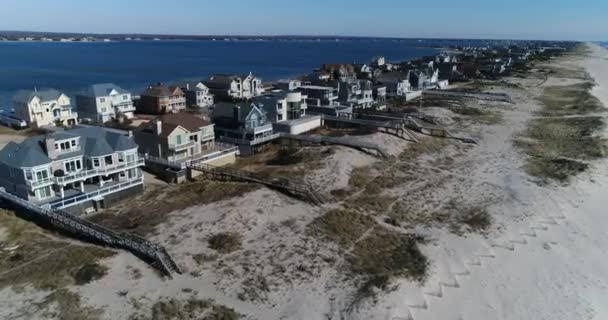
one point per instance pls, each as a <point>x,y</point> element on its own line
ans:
<point>358,93</point>
<point>104,102</point>
<point>378,62</point>
<point>74,169</point>
<point>364,71</point>
<point>233,86</point>
<point>175,137</point>
<point>288,85</point>
<point>318,77</point>
<point>320,95</point>
<point>197,94</point>
<point>40,108</point>
<point>424,77</point>
<point>340,71</point>
<point>397,83</point>
<point>379,95</point>
<point>160,99</point>
<point>242,123</point>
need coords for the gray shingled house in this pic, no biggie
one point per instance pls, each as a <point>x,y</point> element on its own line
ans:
<point>77,169</point>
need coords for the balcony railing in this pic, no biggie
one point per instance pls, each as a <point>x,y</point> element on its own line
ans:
<point>181,146</point>
<point>83,175</point>
<point>260,129</point>
<point>40,183</point>
<point>252,142</point>
<point>77,199</point>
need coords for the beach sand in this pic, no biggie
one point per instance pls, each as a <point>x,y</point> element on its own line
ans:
<point>544,258</point>
<point>559,274</point>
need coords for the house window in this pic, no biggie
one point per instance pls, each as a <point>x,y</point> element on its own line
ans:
<point>42,175</point>
<point>132,173</point>
<point>108,160</point>
<point>95,163</point>
<point>178,139</point>
<point>104,110</point>
<point>44,193</point>
<point>130,158</point>
<point>73,142</point>
<point>125,97</point>
<point>28,175</point>
<point>279,117</point>
<point>102,100</point>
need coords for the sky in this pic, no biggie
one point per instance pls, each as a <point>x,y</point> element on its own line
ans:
<point>513,19</point>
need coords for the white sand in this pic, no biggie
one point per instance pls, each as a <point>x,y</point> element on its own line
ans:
<point>560,273</point>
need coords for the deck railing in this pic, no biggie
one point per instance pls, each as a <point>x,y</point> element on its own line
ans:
<point>80,198</point>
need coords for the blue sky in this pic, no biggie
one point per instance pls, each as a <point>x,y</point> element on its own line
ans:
<point>521,19</point>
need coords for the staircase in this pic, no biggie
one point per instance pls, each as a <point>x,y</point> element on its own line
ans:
<point>150,252</point>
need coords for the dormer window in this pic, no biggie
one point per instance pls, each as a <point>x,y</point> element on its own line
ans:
<point>102,100</point>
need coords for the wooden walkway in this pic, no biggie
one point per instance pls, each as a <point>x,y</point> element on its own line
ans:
<point>299,189</point>
<point>500,97</point>
<point>150,252</point>
<point>343,141</point>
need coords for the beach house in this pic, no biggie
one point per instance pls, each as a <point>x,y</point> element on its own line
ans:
<point>397,83</point>
<point>242,123</point>
<point>104,102</point>
<point>287,111</point>
<point>175,137</point>
<point>234,87</point>
<point>75,169</point>
<point>197,94</point>
<point>358,93</point>
<point>161,99</point>
<point>41,108</point>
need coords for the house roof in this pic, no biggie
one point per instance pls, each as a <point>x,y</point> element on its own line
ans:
<point>26,96</point>
<point>220,80</point>
<point>393,76</point>
<point>162,91</point>
<point>189,85</point>
<point>170,121</point>
<point>94,142</point>
<point>226,110</point>
<point>103,90</point>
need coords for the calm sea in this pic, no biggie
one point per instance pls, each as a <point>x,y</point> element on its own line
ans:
<point>70,67</point>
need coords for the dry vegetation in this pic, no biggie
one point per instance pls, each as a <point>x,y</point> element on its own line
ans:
<point>565,136</point>
<point>192,308</point>
<point>46,261</point>
<point>142,214</point>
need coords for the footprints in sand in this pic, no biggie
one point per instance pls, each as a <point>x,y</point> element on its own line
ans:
<point>448,274</point>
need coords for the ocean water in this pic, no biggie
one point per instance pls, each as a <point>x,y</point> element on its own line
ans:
<point>71,67</point>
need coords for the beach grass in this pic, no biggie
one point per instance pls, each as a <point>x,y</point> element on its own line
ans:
<point>564,136</point>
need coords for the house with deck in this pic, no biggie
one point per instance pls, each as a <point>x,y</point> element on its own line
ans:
<point>41,108</point>
<point>175,137</point>
<point>243,123</point>
<point>397,83</point>
<point>287,111</point>
<point>233,86</point>
<point>358,93</point>
<point>161,99</point>
<point>197,94</point>
<point>104,102</point>
<point>77,169</point>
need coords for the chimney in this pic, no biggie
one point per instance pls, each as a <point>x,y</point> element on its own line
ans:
<point>158,129</point>
<point>236,113</point>
<point>49,145</point>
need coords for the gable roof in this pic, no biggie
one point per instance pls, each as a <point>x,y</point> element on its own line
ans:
<point>170,121</point>
<point>162,91</point>
<point>25,96</point>
<point>226,110</point>
<point>103,90</point>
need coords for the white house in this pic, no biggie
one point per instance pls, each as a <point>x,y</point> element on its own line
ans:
<point>197,94</point>
<point>104,102</point>
<point>233,86</point>
<point>47,107</point>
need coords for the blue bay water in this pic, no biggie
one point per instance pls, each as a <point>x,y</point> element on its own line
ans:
<point>71,67</point>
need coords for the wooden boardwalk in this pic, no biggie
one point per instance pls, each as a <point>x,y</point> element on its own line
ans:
<point>299,189</point>
<point>150,252</point>
<point>343,141</point>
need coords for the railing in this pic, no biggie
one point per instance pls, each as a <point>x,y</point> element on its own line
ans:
<point>71,201</point>
<point>83,175</point>
<point>181,165</point>
<point>148,251</point>
<point>40,183</point>
<point>182,146</point>
<point>251,142</point>
<point>259,129</point>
